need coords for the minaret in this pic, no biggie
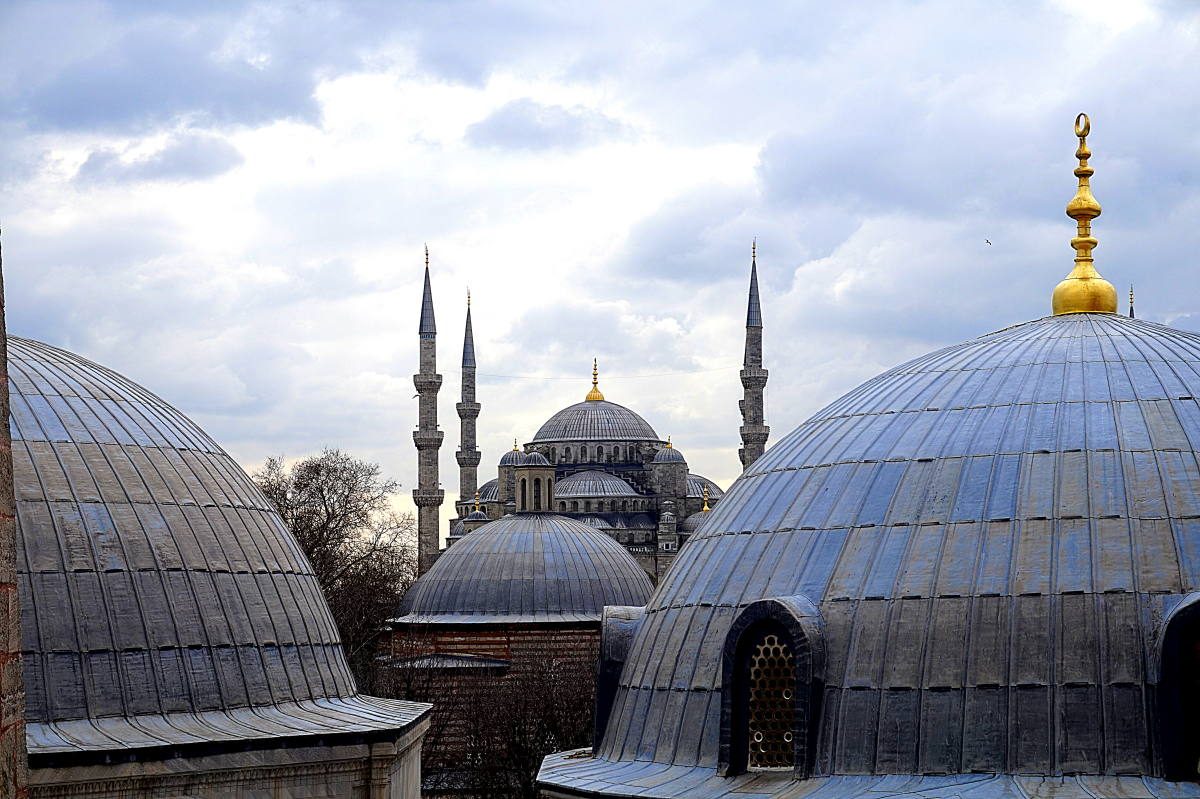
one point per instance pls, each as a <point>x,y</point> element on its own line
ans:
<point>468,412</point>
<point>754,377</point>
<point>1131,313</point>
<point>428,439</point>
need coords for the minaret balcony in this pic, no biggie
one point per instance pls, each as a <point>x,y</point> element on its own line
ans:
<point>466,459</point>
<point>428,439</point>
<point>427,382</point>
<point>428,497</point>
<point>467,410</point>
<point>754,433</point>
<point>753,377</point>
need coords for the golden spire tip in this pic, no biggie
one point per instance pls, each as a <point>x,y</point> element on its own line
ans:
<point>595,394</point>
<point>514,445</point>
<point>1084,290</point>
<point>476,500</point>
<point>706,509</point>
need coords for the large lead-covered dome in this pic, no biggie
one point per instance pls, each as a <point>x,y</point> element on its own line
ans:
<point>595,420</point>
<point>163,602</point>
<point>528,568</point>
<point>982,559</point>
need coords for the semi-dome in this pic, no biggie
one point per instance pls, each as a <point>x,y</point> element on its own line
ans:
<point>982,560</point>
<point>490,491</point>
<point>529,568</point>
<point>593,484</point>
<point>696,485</point>
<point>163,602</point>
<point>595,420</point>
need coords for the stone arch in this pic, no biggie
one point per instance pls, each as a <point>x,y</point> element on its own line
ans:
<point>524,495</point>
<point>537,493</point>
<point>1178,692</point>
<point>772,678</point>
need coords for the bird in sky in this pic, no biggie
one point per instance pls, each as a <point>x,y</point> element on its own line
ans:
<point>987,242</point>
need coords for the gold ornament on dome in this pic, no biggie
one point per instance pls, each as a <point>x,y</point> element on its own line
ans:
<point>1084,290</point>
<point>594,395</point>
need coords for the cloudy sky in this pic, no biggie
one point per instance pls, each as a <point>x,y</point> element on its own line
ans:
<point>228,202</point>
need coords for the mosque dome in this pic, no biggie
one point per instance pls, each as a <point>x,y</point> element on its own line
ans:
<point>163,602</point>
<point>528,568</point>
<point>490,491</point>
<point>669,454</point>
<point>595,420</point>
<point>696,484</point>
<point>535,459</point>
<point>514,457</point>
<point>692,523</point>
<point>592,484</point>
<point>977,556</point>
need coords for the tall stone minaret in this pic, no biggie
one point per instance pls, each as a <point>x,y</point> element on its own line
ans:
<point>754,377</point>
<point>428,494</point>
<point>468,412</point>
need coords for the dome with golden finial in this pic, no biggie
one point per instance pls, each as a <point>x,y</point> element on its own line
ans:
<point>1084,290</point>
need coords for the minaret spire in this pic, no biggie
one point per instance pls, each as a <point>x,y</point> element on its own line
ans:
<point>428,494</point>
<point>468,412</point>
<point>754,430</point>
<point>1131,314</point>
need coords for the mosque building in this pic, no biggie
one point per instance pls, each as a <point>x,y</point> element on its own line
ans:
<point>604,463</point>
<point>975,575</point>
<point>173,638</point>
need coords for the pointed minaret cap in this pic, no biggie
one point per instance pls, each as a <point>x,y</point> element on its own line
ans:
<point>468,359</point>
<point>594,395</point>
<point>1131,314</point>
<point>753,308</point>
<point>1084,290</point>
<point>428,326</point>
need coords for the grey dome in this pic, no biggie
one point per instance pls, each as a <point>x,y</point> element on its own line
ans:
<point>595,420</point>
<point>535,459</point>
<point>490,491</point>
<point>669,455</point>
<point>592,484</point>
<point>161,594</point>
<point>514,457</point>
<point>696,484</point>
<point>526,567</point>
<point>692,523</point>
<point>992,537</point>
<point>476,516</point>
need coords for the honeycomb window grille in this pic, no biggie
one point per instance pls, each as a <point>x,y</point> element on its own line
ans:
<point>771,713</point>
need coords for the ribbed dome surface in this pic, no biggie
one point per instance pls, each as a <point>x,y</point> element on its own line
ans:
<point>490,491</point>
<point>669,455</point>
<point>595,420</point>
<point>992,534</point>
<point>593,484</point>
<point>159,590</point>
<point>696,484</point>
<point>527,567</point>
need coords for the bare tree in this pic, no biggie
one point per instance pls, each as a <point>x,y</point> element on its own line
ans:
<point>363,553</point>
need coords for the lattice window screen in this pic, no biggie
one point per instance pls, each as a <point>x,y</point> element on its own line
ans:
<point>772,707</point>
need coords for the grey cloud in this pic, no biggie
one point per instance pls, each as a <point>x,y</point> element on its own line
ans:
<point>189,157</point>
<point>528,125</point>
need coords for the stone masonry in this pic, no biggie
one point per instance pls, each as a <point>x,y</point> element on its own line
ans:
<point>428,439</point>
<point>754,377</point>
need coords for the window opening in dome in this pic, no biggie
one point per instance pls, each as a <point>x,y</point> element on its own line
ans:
<point>537,493</point>
<point>587,506</point>
<point>772,673</point>
<point>553,454</point>
<point>566,453</point>
<point>624,505</point>
<point>575,506</point>
<point>524,497</point>
<point>1179,695</point>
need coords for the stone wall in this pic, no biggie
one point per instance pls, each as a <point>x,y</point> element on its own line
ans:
<point>12,692</point>
<point>482,677</point>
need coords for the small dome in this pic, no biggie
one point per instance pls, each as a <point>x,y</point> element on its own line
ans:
<point>514,457</point>
<point>476,516</point>
<point>535,459</point>
<point>696,484</point>
<point>457,530</point>
<point>593,484</point>
<point>692,523</point>
<point>669,454</point>
<point>158,586</point>
<point>490,491</point>
<point>595,420</point>
<point>527,567</point>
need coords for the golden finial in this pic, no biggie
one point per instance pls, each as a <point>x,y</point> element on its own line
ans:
<point>1084,291</point>
<point>514,445</point>
<point>595,395</point>
<point>1131,314</point>
<point>706,509</point>
<point>668,442</point>
<point>477,501</point>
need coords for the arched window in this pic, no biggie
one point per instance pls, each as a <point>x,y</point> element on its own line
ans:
<point>1179,691</point>
<point>562,506</point>
<point>587,506</point>
<point>524,496</point>
<point>599,453</point>
<point>553,454</point>
<point>537,493</point>
<point>575,506</point>
<point>624,505</point>
<point>566,453</point>
<point>771,680</point>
